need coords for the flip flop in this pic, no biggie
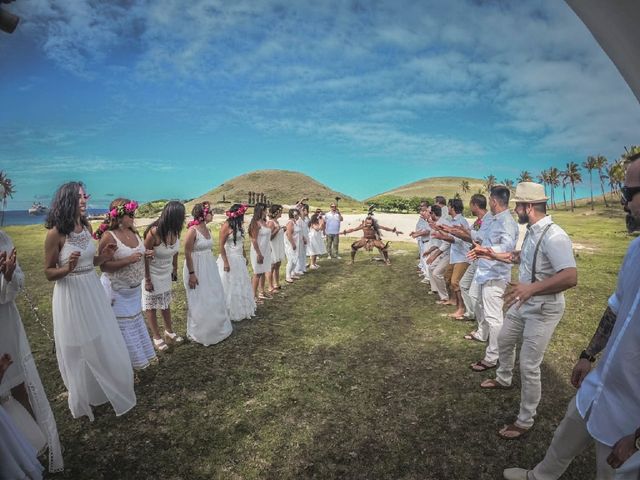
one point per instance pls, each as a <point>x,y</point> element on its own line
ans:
<point>481,367</point>
<point>469,336</point>
<point>512,432</point>
<point>493,384</point>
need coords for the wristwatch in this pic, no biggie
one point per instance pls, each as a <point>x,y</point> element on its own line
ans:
<point>586,356</point>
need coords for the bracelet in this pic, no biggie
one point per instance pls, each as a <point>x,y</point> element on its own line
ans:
<point>586,356</point>
<point>192,272</point>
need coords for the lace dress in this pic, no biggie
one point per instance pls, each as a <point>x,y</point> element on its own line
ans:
<point>124,291</point>
<point>160,269</point>
<point>207,317</point>
<point>264,243</point>
<point>18,458</point>
<point>237,282</point>
<point>92,356</point>
<point>301,266</point>
<point>13,340</point>
<point>277,246</point>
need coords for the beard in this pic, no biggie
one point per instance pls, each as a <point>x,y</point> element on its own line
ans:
<point>632,222</point>
<point>523,218</point>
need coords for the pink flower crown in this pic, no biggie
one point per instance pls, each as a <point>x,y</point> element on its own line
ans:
<point>114,213</point>
<point>197,221</point>
<point>238,213</point>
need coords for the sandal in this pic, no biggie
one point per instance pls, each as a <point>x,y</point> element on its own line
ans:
<point>513,432</point>
<point>172,337</point>
<point>472,337</point>
<point>288,280</point>
<point>160,345</point>
<point>265,296</point>
<point>480,366</point>
<point>259,301</point>
<point>493,384</point>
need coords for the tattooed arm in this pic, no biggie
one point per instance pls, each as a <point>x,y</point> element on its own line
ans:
<point>596,345</point>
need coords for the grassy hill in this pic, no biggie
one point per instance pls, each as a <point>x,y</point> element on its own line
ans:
<point>280,186</point>
<point>430,187</point>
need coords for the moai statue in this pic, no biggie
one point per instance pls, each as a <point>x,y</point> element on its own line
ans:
<point>250,198</point>
<point>224,199</point>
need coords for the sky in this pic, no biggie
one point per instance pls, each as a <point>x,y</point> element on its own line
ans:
<point>168,99</point>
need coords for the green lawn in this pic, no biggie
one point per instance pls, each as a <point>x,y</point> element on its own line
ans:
<point>350,373</point>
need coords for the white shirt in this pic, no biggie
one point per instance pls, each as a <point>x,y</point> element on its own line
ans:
<point>609,396</point>
<point>443,246</point>
<point>420,226</point>
<point>459,248</point>
<point>332,223</point>
<point>501,235</point>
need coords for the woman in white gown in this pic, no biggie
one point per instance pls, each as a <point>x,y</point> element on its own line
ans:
<point>316,245</point>
<point>232,265</point>
<point>277,246</point>
<point>260,236</point>
<point>303,222</point>
<point>92,356</point>
<point>291,242</point>
<point>160,269</point>
<point>207,316</point>
<point>22,395</point>
<point>122,279</point>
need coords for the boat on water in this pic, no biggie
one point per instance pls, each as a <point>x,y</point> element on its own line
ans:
<point>37,209</point>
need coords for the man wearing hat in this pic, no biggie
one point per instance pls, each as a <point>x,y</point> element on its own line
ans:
<point>332,220</point>
<point>535,304</point>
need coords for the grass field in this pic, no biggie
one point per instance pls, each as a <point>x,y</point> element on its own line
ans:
<point>352,373</point>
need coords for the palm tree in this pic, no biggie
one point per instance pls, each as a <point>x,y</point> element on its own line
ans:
<point>554,176</point>
<point>617,172</point>
<point>565,179</point>
<point>590,165</point>
<point>573,176</point>
<point>525,176</point>
<point>465,186</point>
<point>6,191</point>
<point>601,165</point>
<point>489,182</point>
<point>543,178</point>
<point>508,183</point>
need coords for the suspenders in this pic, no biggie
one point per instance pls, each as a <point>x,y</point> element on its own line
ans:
<point>535,253</point>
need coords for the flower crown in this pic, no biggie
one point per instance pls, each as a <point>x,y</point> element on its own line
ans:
<point>197,221</point>
<point>238,213</point>
<point>114,213</point>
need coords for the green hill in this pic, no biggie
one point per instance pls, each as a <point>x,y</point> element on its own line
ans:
<point>430,187</point>
<point>280,186</point>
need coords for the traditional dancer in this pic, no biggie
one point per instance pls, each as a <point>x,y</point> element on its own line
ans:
<point>316,245</point>
<point>260,236</point>
<point>291,242</point>
<point>163,237</point>
<point>92,355</point>
<point>277,246</point>
<point>22,395</point>
<point>123,276</point>
<point>207,316</point>
<point>232,265</point>
<point>371,237</point>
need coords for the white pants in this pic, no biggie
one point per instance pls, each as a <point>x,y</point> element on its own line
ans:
<point>532,324</point>
<point>489,315</point>
<point>423,260</point>
<point>469,290</point>
<point>569,440</point>
<point>436,275</point>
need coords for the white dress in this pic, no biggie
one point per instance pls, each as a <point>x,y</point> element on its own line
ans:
<point>301,266</point>
<point>92,356</point>
<point>13,340</point>
<point>123,288</point>
<point>277,246</point>
<point>207,316</point>
<point>264,243</point>
<point>292,255</point>
<point>18,458</point>
<point>237,282</point>
<point>160,269</point>
<point>316,244</point>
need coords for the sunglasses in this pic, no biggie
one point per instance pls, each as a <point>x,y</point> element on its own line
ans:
<point>628,193</point>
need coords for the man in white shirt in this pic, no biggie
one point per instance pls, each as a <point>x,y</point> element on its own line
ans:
<point>605,408</point>
<point>422,235</point>
<point>535,304</point>
<point>438,256</point>
<point>332,220</point>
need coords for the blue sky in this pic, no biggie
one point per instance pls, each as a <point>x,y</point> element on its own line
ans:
<point>167,99</point>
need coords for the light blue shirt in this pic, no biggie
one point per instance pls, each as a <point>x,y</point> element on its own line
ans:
<point>501,236</point>
<point>609,395</point>
<point>459,248</point>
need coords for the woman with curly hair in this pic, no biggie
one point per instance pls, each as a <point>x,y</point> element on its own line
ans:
<point>277,246</point>
<point>291,243</point>
<point>232,265</point>
<point>92,355</point>
<point>123,276</point>
<point>260,236</point>
<point>163,237</point>
<point>207,316</point>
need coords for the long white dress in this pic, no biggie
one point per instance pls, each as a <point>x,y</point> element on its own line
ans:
<point>207,317</point>
<point>264,243</point>
<point>13,340</point>
<point>301,266</point>
<point>316,244</point>
<point>292,255</point>
<point>123,288</point>
<point>237,282</point>
<point>18,458</point>
<point>92,356</point>
<point>160,268</point>
<point>277,246</point>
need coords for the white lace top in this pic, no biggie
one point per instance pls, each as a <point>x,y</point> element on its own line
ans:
<point>79,242</point>
<point>130,275</point>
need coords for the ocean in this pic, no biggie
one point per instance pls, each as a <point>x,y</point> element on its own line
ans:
<point>22,217</point>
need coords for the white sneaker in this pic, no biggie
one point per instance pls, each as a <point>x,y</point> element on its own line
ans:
<point>515,474</point>
<point>339,257</point>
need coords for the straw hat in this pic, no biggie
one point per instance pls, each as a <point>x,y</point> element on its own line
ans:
<point>529,192</point>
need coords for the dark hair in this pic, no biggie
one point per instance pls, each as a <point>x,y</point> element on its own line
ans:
<point>457,205</point>
<point>274,209</point>
<point>197,212</point>
<point>436,210</point>
<point>501,194</point>
<point>440,200</point>
<point>170,222</point>
<point>315,219</point>
<point>303,206</point>
<point>540,207</point>
<point>424,203</point>
<point>479,200</point>
<point>237,223</point>
<point>292,212</point>
<point>113,223</point>
<point>65,208</point>
<point>258,212</point>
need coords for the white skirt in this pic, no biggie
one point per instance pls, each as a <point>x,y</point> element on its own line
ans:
<point>92,355</point>
<point>265,266</point>
<point>207,317</point>
<point>316,244</point>
<point>237,288</point>
<point>277,248</point>
<point>18,458</point>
